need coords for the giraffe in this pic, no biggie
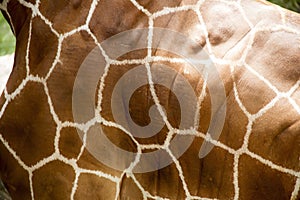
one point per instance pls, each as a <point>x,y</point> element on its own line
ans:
<point>255,46</point>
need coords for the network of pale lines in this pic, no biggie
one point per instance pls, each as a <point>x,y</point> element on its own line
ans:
<point>252,117</point>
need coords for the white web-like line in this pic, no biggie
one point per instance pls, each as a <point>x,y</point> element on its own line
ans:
<point>146,61</point>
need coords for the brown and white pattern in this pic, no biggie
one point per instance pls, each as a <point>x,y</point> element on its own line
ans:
<point>256,48</point>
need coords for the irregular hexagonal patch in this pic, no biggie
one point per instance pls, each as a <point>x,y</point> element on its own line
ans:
<point>53,181</point>
<point>28,126</point>
<point>227,25</point>
<point>69,142</point>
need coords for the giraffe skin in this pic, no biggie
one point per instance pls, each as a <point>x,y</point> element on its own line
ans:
<point>255,46</point>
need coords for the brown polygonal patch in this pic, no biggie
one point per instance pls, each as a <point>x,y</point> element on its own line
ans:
<point>53,181</point>
<point>275,135</point>
<point>28,126</point>
<point>93,187</point>
<point>69,142</point>
<point>74,50</point>
<point>258,181</point>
